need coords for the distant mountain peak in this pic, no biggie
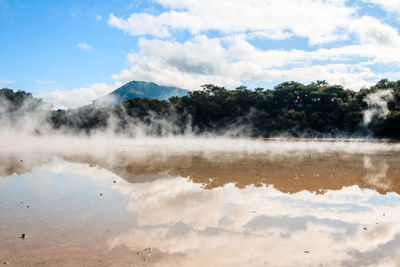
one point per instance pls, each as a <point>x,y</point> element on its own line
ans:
<point>140,89</point>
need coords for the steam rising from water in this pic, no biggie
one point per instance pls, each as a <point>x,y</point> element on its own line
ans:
<point>26,129</point>
<point>25,118</point>
<point>377,105</point>
<point>101,143</point>
<point>30,119</point>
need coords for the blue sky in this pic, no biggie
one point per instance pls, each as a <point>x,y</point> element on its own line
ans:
<point>39,48</point>
<point>71,52</point>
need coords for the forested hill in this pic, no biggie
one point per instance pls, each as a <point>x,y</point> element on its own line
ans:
<point>139,89</point>
<point>290,109</point>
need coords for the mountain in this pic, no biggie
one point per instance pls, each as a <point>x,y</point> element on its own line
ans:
<point>140,89</point>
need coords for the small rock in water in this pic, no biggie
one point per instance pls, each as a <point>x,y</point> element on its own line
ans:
<point>21,202</point>
<point>383,214</point>
<point>27,206</point>
<point>21,160</point>
<point>101,194</point>
<point>114,181</point>
<point>365,228</point>
<point>306,251</point>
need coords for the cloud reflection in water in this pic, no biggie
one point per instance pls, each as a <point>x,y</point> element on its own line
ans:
<point>199,208</point>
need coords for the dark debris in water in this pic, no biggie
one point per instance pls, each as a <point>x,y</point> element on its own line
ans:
<point>146,251</point>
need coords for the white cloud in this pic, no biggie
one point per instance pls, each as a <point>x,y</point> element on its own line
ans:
<point>345,46</point>
<point>203,60</point>
<point>308,19</point>
<point>140,24</point>
<point>231,59</point>
<point>84,46</point>
<point>187,65</point>
<point>371,30</point>
<point>77,97</point>
<point>387,5</point>
<point>318,21</point>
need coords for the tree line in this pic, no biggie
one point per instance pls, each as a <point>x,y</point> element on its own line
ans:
<point>290,109</point>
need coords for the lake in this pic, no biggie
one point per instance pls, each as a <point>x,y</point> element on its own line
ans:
<point>199,202</point>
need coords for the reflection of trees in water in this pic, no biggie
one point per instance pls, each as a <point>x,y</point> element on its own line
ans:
<point>20,163</point>
<point>316,172</point>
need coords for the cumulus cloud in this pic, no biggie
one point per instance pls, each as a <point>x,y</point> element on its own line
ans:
<point>232,58</point>
<point>230,61</point>
<point>77,97</point>
<point>318,21</point>
<point>187,65</point>
<point>371,30</point>
<point>307,19</point>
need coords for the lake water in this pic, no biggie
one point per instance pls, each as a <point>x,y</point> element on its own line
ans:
<point>201,202</point>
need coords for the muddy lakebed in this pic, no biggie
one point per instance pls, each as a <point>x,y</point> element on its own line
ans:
<point>200,202</point>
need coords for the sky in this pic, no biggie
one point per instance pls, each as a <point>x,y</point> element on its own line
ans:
<point>72,52</point>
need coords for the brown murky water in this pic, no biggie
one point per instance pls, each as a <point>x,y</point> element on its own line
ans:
<point>250,203</point>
